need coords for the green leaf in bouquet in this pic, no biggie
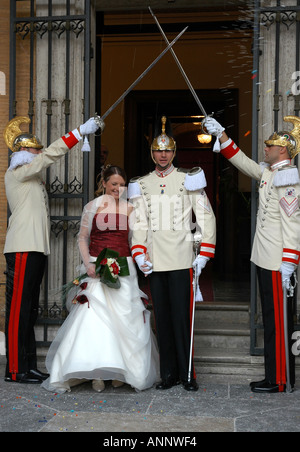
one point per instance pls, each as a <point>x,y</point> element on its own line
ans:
<point>124,270</point>
<point>107,278</point>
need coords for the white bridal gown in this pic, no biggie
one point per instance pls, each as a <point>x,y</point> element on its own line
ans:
<point>109,337</point>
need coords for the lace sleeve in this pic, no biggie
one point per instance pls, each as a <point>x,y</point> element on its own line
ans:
<point>85,231</point>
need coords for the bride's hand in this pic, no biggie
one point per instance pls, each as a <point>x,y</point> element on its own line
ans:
<point>91,271</point>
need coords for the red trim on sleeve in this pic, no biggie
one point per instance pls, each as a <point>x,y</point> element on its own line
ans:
<point>230,151</point>
<point>207,250</point>
<point>138,249</point>
<point>290,255</point>
<point>70,140</point>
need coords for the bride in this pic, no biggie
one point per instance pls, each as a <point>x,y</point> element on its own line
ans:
<point>107,334</point>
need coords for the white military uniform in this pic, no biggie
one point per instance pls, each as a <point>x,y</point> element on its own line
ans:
<point>164,202</point>
<point>277,237</point>
<point>26,248</point>
<point>29,223</point>
<point>276,241</point>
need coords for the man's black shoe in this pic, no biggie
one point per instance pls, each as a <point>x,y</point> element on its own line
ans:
<point>266,387</point>
<point>167,384</point>
<point>26,378</point>
<point>255,383</point>
<point>190,385</point>
<point>38,374</point>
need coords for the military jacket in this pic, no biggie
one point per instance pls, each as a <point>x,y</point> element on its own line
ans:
<point>29,222</point>
<point>277,235</point>
<point>164,203</point>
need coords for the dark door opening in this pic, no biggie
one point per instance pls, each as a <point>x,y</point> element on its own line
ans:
<point>231,265</point>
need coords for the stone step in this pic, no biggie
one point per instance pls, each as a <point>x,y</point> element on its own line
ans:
<point>222,325</point>
<point>222,340</point>
<point>229,312</point>
<point>231,362</point>
<point>216,361</point>
<point>231,336</point>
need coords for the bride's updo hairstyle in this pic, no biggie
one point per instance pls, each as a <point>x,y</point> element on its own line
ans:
<point>105,175</point>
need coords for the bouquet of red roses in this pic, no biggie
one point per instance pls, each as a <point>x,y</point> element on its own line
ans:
<point>109,266</point>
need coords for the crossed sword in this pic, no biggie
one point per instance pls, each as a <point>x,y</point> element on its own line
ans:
<point>169,47</point>
<point>197,240</point>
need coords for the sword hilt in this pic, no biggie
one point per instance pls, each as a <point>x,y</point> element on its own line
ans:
<point>203,128</point>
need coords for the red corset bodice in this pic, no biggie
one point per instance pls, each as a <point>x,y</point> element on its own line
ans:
<point>109,231</point>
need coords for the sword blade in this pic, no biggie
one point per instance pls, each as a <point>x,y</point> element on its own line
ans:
<point>142,75</point>
<point>286,339</point>
<point>191,88</point>
<point>192,328</point>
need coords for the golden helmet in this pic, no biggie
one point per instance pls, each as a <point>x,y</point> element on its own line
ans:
<point>163,142</point>
<point>16,139</point>
<point>289,139</point>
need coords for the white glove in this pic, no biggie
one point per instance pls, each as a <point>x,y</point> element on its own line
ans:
<point>198,295</point>
<point>214,128</point>
<point>199,263</point>
<point>286,270</point>
<point>91,125</point>
<point>144,266</point>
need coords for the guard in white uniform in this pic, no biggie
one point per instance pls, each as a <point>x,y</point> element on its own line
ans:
<point>27,240</point>
<point>162,246</point>
<point>276,246</point>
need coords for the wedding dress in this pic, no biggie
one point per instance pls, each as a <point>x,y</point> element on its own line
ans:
<point>108,337</point>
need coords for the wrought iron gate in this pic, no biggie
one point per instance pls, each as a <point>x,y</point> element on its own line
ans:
<point>276,71</point>
<point>56,88</point>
